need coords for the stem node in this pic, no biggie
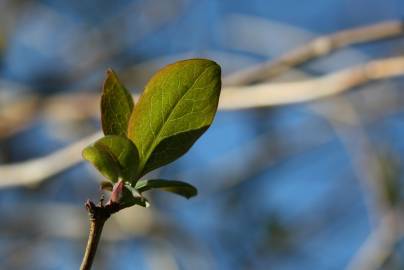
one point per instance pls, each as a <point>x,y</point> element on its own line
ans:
<point>98,214</point>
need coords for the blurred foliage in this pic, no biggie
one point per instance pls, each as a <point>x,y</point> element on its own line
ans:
<point>279,188</point>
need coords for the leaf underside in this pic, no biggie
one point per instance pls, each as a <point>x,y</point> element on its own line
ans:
<point>176,108</point>
<point>131,197</point>
<point>178,187</point>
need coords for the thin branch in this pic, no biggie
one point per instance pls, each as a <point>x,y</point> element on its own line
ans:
<point>349,127</point>
<point>318,47</point>
<point>33,172</point>
<point>15,116</point>
<point>378,246</point>
<point>381,241</point>
<point>99,214</point>
<point>274,94</point>
<point>269,94</point>
<point>84,104</point>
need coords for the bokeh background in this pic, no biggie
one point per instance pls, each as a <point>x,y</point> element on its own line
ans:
<point>312,185</point>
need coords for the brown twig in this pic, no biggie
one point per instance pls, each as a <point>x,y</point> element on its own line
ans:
<point>99,214</point>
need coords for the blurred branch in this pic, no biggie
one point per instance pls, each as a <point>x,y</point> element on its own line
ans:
<point>369,171</point>
<point>372,104</point>
<point>272,94</point>
<point>233,97</point>
<point>82,106</point>
<point>379,244</point>
<point>256,156</point>
<point>318,47</point>
<point>133,222</point>
<point>17,115</point>
<point>348,125</point>
<point>34,171</point>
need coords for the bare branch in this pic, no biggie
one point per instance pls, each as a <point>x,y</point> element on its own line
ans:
<point>267,94</point>
<point>83,105</point>
<point>272,94</point>
<point>318,47</point>
<point>34,171</point>
<point>380,243</point>
<point>378,246</point>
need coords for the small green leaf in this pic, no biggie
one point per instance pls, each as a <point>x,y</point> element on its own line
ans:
<point>131,197</point>
<point>125,152</point>
<point>114,156</point>
<point>103,161</point>
<point>116,106</point>
<point>176,108</point>
<point>181,188</point>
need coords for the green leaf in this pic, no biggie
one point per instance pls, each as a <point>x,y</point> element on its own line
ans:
<point>114,156</point>
<point>116,106</point>
<point>176,108</point>
<point>103,161</point>
<point>181,188</point>
<point>131,197</point>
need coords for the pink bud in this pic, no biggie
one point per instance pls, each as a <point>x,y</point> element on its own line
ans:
<point>117,190</point>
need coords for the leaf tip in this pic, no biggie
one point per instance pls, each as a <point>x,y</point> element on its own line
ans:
<point>110,72</point>
<point>86,152</point>
<point>192,194</point>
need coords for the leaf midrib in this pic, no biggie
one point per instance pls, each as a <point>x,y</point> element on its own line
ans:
<point>161,127</point>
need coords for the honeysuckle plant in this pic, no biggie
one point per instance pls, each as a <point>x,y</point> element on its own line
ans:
<point>177,106</point>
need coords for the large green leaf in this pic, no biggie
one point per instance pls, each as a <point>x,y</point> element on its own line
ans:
<point>178,105</point>
<point>116,106</point>
<point>181,188</point>
<point>115,157</point>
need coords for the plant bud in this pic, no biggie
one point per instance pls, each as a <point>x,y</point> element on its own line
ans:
<point>117,191</point>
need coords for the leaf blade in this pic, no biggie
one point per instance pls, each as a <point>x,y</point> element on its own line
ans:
<point>160,156</point>
<point>116,106</point>
<point>103,161</point>
<point>114,156</point>
<point>125,152</point>
<point>181,98</point>
<point>178,187</point>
